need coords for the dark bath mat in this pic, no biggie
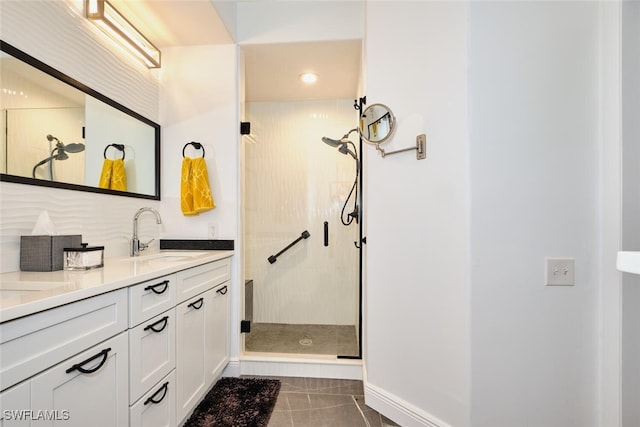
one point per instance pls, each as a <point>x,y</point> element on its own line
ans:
<point>237,402</point>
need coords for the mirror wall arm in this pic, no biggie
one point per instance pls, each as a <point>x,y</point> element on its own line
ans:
<point>420,147</point>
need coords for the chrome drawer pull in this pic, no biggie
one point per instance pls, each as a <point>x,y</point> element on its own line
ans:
<point>195,304</point>
<point>222,290</point>
<point>165,319</point>
<point>164,388</point>
<point>78,366</point>
<point>155,291</point>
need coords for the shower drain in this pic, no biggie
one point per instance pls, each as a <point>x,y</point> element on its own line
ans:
<point>305,341</point>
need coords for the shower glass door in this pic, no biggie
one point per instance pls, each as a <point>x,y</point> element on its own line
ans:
<point>307,300</point>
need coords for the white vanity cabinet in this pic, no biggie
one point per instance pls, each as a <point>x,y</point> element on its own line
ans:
<point>69,364</point>
<point>14,400</point>
<point>157,408</point>
<point>152,352</point>
<point>89,389</point>
<point>142,355</point>
<point>202,332</point>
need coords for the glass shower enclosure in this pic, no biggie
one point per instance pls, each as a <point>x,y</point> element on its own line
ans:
<point>305,299</point>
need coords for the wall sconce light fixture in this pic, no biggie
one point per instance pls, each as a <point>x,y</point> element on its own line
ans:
<point>109,20</point>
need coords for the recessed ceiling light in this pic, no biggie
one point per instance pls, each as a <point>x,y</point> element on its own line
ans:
<point>309,78</point>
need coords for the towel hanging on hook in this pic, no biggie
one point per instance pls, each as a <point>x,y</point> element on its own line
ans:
<point>195,192</point>
<point>113,175</point>
<point>196,145</point>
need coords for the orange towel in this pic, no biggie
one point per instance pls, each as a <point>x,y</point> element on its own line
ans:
<point>113,175</point>
<point>195,192</point>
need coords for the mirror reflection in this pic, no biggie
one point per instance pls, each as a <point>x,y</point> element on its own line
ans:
<point>57,132</point>
<point>377,123</point>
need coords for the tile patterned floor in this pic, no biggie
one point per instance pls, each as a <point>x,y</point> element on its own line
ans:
<point>302,339</point>
<point>320,402</point>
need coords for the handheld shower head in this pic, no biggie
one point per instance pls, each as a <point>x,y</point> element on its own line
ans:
<point>74,147</point>
<point>71,148</point>
<point>344,149</point>
<point>61,154</point>
<point>342,145</point>
<point>332,142</point>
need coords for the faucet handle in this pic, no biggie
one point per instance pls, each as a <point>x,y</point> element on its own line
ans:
<point>142,246</point>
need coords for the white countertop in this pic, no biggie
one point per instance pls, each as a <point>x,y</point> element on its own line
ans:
<point>24,292</point>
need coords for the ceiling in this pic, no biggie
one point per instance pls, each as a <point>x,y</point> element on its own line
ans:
<point>272,70</point>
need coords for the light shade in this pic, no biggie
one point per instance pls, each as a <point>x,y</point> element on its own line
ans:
<point>109,20</point>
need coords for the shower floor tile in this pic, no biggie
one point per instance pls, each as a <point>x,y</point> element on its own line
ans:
<point>302,339</point>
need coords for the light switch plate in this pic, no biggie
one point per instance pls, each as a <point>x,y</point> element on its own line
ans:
<point>560,271</point>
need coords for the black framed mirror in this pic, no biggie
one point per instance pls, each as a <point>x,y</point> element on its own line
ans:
<point>58,132</point>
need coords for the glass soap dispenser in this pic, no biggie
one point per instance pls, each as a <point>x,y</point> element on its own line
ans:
<point>83,258</point>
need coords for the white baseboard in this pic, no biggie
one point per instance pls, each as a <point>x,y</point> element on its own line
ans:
<point>300,366</point>
<point>232,369</point>
<point>398,410</point>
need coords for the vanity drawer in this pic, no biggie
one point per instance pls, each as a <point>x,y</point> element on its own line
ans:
<point>148,299</point>
<point>152,353</point>
<point>32,344</point>
<point>157,408</point>
<point>196,280</point>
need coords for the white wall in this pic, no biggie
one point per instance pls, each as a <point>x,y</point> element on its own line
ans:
<point>631,210</point>
<point>470,335</point>
<point>81,51</point>
<point>534,140</point>
<point>198,103</point>
<point>417,351</point>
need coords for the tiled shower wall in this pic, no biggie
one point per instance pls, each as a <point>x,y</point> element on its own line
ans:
<point>295,182</point>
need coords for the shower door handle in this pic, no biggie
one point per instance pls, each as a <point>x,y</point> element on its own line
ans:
<point>326,234</point>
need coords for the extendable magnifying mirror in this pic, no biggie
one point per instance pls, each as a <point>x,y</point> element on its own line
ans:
<point>377,124</point>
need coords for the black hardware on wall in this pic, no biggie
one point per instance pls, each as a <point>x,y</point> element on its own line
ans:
<point>273,258</point>
<point>326,234</point>
<point>245,128</point>
<point>245,326</point>
<point>195,145</point>
<point>119,147</point>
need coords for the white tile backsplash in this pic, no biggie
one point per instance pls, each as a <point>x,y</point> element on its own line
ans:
<point>56,33</point>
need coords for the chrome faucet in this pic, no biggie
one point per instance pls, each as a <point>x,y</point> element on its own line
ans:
<point>136,245</point>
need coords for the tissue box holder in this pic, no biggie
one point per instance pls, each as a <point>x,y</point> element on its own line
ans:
<point>45,253</point>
